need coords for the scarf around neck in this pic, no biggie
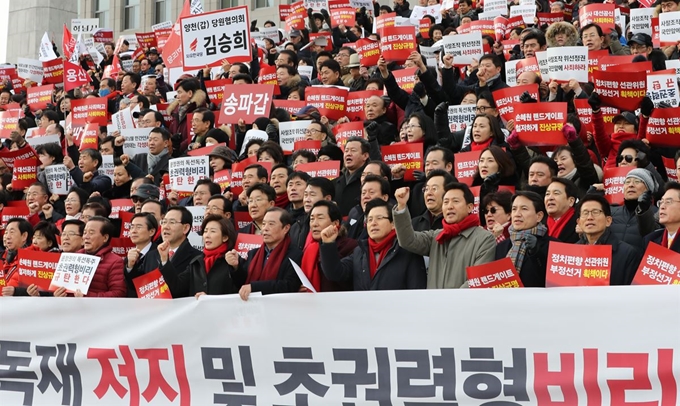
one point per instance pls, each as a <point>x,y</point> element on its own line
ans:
<point>310,262</point>
<point>282,200</point>
<point>259,270</point>
<point>519,245</point>
<point>452,230</point>
<point>555,227</point>
<point>210,256</point>
<point>380,249</point>
<point>153,160</point>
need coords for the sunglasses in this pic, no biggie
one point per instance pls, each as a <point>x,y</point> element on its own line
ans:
<point>492,210</point>
<point>627,158</point>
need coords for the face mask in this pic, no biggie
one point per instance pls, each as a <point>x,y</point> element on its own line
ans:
<point>209,144</point>
<point>104,92</point>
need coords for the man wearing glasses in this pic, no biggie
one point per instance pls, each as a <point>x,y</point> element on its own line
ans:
<point>175,228</point>
<point>72,236</point>
<point>594,216</point>
<point>669,218</point>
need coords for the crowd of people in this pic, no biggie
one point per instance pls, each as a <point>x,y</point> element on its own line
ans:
<point>369,228</point>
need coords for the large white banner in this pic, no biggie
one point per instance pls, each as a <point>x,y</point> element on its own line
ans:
<point>569,346</point>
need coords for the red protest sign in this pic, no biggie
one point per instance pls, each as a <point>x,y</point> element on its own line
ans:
<point>466,166</point>
<point>406,78</point>
<point>356,101</point>
<point>330,101</point>
<point>624,90</point>
<point>384,22</point>
<point>343,16</point>
<point>296,20</point>
<point>345,130</point>
<point>205,150</point>
<point>541,123</point>
<point>323,169</point>
<point>600,14</point>
<point>408,154</point>
<point>336,4</point>
<point>152,286</point>
<point>369,51</point>
<point>222,178</point>
<point>549,18</point>
<point>613,183</point>
<point>24,173</point>
<point>118,205</point>
<point>89,138</point>
<point>284,11</point>
<point>424,28</point>
<point>146,39</point>
<point>9,122</point>
<point>237,174</point>
<point>527,65</point>
<point>242,219</point>
<point>671,169</point>
<point>74,76</point>
<point>90,110</point>
<point>397,43</point>
<point>36,268</point>
<point>291,106</point>
<point>103,35</point>
<point>167,117</point>
<point>310,145</point>
<point>507,98</point>
<point>499,24</point>
<point>585,114</point>
<point>37,97</point>
<point>121,246</point>
<point>245,102</point>
<point>589,265</point>
<point>10,212</point>
<point>663,127</point>
<point>8,157</point>
<point>53,71</point>
<point>496,274</point>
<point>514,22</point>
<point>594,58</point>
<point>659,266</point>
<point>162,38</point>
<point>486,27</point>
<point>247,242</point>
<point>126,220</point>
<point>215,89</point>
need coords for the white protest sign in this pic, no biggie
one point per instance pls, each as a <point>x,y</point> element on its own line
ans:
<point>107,166</point>
<point>131,39</point>
<point>357,4</point>
<point>511,72</point>
<point>30,69</point>
<point>271,33</point>
<point>306,71</point>
<point>674,64</point>
<point>46,52</point>
<point>186,171</point>
<point>122,120</point>
<point>663,88</point>
<point>527,12</point>
<point>464,47</point>
<point>542,60</point>
<point>209,38</point>
<point>315,5</point>
<point>641,20</point>
<point>252,135</point>
<point>95,55</point>
<point>136,141</point>
<point>496,7</point>
<point>290,132</point>
<point>162,26</point>
<point>303,278</point>
<point>58,179</point>
<point>429,52</point>
<point>461,116</point>
<point>195,241</point>
<point>45,139</point>
<point>74,272</point>
<point>196,6</point>
<point>198,214</point>
<point>402,22</point>
<point>669,27</point>
<point>419,12</point>
<point>566,63</point>
<point>84,25</point>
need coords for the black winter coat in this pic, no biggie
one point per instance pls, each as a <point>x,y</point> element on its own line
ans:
<point>625,258</point>
<point>223,279</point>
<point>657,237</point>
<point>286,280</point>
<point>535,262</point>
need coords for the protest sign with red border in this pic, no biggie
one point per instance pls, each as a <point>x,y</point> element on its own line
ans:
<point>405,78</point>
<point>37,97</point>
<point>247,242</point>
<point>589,265</point>
<point>90,110</point>
<point>614,177</point>
<point>506,99</point>
<point>410,155</point>
<point>671,169</point>
<point>343,16</point>
<point>397,43</point>
<point>659,266</point>
<point>245,102</point>
<point>9,122</point>
<point>53,71</point>
<point>356,101</point>
<point>600,14</point>
<point>324,169</point>
<point>541,123</point>
<point>496,274</point>
<point>330,100</point>
<point>369,51</point>
<point>146,39</point>
<point>121,246</point>
<point>663,127</point>
<point>625,90</point>
<point>152,286</point>
<point>215,89</point>
<point>24,173</point>
<point>346,130</point>
<point>36,268</point>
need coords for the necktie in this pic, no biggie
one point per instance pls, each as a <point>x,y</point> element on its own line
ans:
<point>171,254</point>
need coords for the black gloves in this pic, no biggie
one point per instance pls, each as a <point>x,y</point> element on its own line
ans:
<point>642,160</point>
<point>644,202</point>
<point>442,108</point>
<point>594,101</point>
<point>493,180</point>
<point>419,176</point>
<point>646,106</point>
<point>526,98</point>
<point>531,242</point>
<point>371,129</point>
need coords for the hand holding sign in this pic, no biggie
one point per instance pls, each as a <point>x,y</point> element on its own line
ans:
<point>232,258</point>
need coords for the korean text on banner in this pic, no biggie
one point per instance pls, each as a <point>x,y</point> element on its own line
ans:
<point>74,272</point>
<point>185,172</point>
<point>600,14</point>
<point>245,102</point>
<point>121,246</point>
<point>663,127</point>
<point>90,110</point>
<point>464,48</point>
<point>410,155</point>
<point>290,132</point>
<point>663,87</point>
<point>9,122</point>
<point>398,43</point>
<point>669,28</point>
<point>330,100</point>
<point>466,166</point>
<point>567,63</point>
<point>506,99</point>
<point>496,274</point>
<point>589,265</point>
<point>614,179</point>
<point>461,116</point>
<point>152,286</point>
<point>323,169</point>
<point>210,38</point>
<point>222,178</point>
<point>346,130</point>
<point>136,141</point>
<point>37,97</point>
<point>30,69</point>
<point>84,25</point>
<point>541,123</point>
<point>659,266</point>
<point>24,173</point>
<point>247,242</point>
<point>313,146</point>
<point>37,268</point>
<point>624,90</point>
<point>356,103</point>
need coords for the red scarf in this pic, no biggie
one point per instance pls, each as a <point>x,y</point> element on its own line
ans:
<point>452,230</point>
<point>282,200</point>
<point>478,147</point>
<point>259,271</point>
<point>310,262</point>
<point>210,256</point>
<point>381,249</point>
<point>664,241</point>
<point>555,227</point>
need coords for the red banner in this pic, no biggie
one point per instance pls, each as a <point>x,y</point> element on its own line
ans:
<point>146,39</point>
<point>9,121</point>
<point>121,246</point>
<point>323,169</point>
<point>215,89</point>
<point>600,14</point>
<point>496,274</point>
<point>222,178</point>
<point>345,130</point>
<point>152,286</point>
<point>384,22</point>
<point>284,11</point>
<point>549,18</point>
<point>514,22</point>
<point>659,266</point>
<point>585,114</point>
<point>36,268</point>
<point>242,219</point>
<point>369,52</point>
<point>103,35</point>
<point>247,242</point>
<point>424,28</point>
<point>541,123</point>
<point>90,110</point>
<point>343,16</point>
<point>89,138</point>
<point>331,101</point>
<point>296,20</point>
<point>291,106</point>
<point>594,58</point>
<point>613,183</point>
<point>24,173</point>
<point>671,169</point>
<point>398,43</point>
<point>507,98</point>
<point>267,75</point>
<point>237,175</point>
<point>499,24</point>
<point>310,145</point>
<point>356,101</point>
<point>245,102</point>
<point>126,220</point>
<point>9,212</point>
<point>624,90</point>
<point>408,154</point>
<point>74,76</point>
<point>37,97</point>
<point>8,157</point>
<point>466,166</point>
<point>587,265</point>
<point>663,127</point>
<point>53,71</point>
<point>162,38</point>
<point>527,65</point>
<point>119,205</point>
<point>486,27</point>
<point>406,78</point>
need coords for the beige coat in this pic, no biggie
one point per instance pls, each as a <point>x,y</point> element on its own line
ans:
<point>474,246</point>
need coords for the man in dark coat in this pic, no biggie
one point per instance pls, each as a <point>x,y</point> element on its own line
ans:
<point>155,162</point>
<point>86,175</point>
<point>669,217</point>
<point>560,198</point>
<point>140,259</point>
<point>433,192</point>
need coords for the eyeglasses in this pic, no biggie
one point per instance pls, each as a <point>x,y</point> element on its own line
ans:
<point>165,222</point>
<point>636,48</point>
<point>69,200</point>
<point>482,109</point>
<point>627,158</point>
<point>136,199</point>
<point>409,126</point>
<point>70,235</point>
<point>213,209</point>
<point>594,212</point>
<point>666,202</point>
<point>311,131</point>
<point>137,226</point>
<point>631,181</point>
<point>256,201</point>
<point>343,55</point>
<point>376,218</point>
<point>35,194</point>
<point>492,210</point>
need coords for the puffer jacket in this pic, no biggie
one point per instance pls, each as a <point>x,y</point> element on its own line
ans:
<point>562,27</point>
<point>108,280</point>
<point>631,227</point>
<point>180,125</point>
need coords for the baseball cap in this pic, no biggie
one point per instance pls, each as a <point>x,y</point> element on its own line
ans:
<point>628,116</point>
<point>146,191</point>
<point>642,39</point>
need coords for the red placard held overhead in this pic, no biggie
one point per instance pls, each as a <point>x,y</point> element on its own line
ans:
<point>53,71</point>
<point>146,39</point>
<point>405,78</point>
<point>663,127</point>
<point>506,99</point>
<point>600,14</point>
<point>222,178</point>
<point>343,16</point>
<point>90,137</point>
<point>291,106</point>
<point>659,266</point>
<point>424,28</point>
<point>24,173</point>
<point>466,166</point>
<point>408,154</point>
<point>369,51</point>
<point>246,102</point>
<point>496,274</point>
<point>284,11</point>
<point>541,123</point>
<point>310,145</point>
<point>9,122</point>
<point>90,110</point>
<point>527,65</point>
<point>37,97</point>
<point>398,43</point>
<point>671,169</point>
<point>331,101</point>
<point>623,90</point>
<point>549,18</point>
<point>215,89</point>
<point>10,212</point>
<point>384,22</point>
<point>324,169</point>
<point>356,101</point>
<point>594,58</point>
<point>345,130</point>
<point>589,265</point>
<point>614,178</point>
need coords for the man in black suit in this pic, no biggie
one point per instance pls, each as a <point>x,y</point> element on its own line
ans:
<point>669,217</point>
<point>175,228</point>
<point>140,259</point>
